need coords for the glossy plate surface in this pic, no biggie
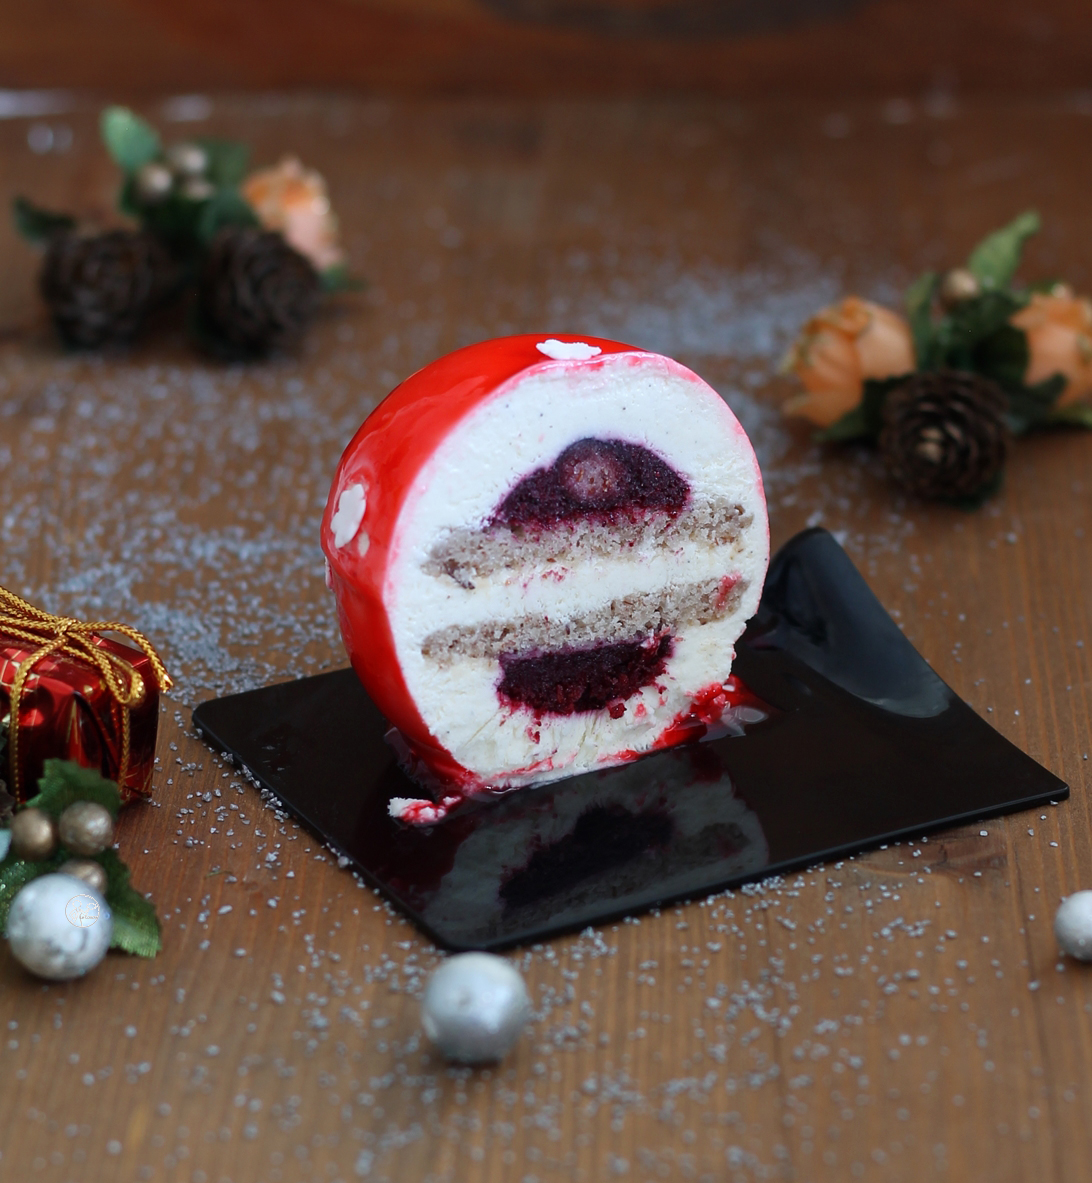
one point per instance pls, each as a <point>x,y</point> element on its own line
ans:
<point>865,745</point>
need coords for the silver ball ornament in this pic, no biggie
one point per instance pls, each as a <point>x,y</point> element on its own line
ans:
<point>153,182</point>
<point>33,835</point>
<point>88,870</point>
<point>1073,925</point>
<point>474,1008</point>
<point>59,927</point>
<point>86,828</point>
<point>187,159</point>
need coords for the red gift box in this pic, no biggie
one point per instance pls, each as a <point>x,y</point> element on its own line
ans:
<point>79,696</point>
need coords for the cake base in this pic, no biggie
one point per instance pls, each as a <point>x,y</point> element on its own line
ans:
<point>866,746</point>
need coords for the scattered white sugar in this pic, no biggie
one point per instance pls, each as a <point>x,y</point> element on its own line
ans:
<point>349,514</point>
<point>186,547</point>
<point>567,350</point>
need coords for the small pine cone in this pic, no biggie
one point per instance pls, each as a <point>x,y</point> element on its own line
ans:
<point>944,434</point>
<point>100,287</point>
<point>256,292</point>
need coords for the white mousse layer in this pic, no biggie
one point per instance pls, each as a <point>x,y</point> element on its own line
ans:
<point>638,398</point>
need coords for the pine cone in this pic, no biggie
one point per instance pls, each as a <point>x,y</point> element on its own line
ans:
<point>256,292</point>
<point>100,288</point>
<point>944,434</point>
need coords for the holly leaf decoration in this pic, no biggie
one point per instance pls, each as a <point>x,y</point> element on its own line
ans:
<point>64,782</point>
<point>979,328</point>
<point>1003,356</point>
<point>130,140</point>
<point>228,160</point>
<point>226,207</point>
<point>919,309</point>
<point>994,261</point>
<point>338,278</point>
<point>866,419</point>
<point>1032,406</point>
<point>136,927</point>
<point>1076,415</point>
<point>38,225</point>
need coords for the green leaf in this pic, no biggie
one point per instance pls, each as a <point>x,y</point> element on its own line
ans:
<point>1002,356</point>
<point>130,140</point>
<point>919,306</point>
<point>995,259</point>
<point>1075,415</point>
<point>339,279</point>
<point>136,928</point>
<point>63,783</point>
<point>228,160</point>
<point>226,207</point>
<point>853,425</point>
<point>38,225</point>
<point>959,335</point>
<point>866,419</point>
<point>16,873</point>
<point>1030,406</point>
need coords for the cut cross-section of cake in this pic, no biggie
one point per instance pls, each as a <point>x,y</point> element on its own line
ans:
<point>543,552</point>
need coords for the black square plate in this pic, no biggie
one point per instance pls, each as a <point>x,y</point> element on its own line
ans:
<point>866,745</point>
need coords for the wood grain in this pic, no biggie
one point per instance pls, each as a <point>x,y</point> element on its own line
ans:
<point>898,1016</point>
<point>746,48</point>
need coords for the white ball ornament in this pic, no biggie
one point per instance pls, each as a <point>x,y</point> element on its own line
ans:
<point>474,1008</point>
<point>59,927</point>
<point>1073,925</point>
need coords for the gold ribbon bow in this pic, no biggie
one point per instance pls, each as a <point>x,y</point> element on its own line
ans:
<point>51,635</point>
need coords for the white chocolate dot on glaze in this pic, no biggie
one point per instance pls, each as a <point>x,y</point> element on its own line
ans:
<point>567,350</point>
<point>349,514</point>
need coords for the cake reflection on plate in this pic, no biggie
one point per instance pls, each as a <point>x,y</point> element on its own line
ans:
<point>669,823</point>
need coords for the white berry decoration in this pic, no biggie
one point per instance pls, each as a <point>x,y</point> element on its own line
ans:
<point>59,927</point>
<point>1073,925</point>
<point>475,1007</point>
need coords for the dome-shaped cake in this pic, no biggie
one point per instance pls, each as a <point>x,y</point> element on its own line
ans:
<point>543,552</point>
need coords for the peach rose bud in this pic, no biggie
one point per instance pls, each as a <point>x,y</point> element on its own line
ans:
<point>1058,326</point>
<point>293,200</point>
<point>841,347</point>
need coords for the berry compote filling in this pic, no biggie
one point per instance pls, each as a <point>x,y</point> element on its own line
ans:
<point>594,478</point>
<point>568,681</point>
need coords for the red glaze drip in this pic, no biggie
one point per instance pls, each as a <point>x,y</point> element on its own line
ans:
<point>706,708</point>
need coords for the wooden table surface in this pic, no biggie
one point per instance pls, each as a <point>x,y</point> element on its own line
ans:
<point>903,1015</point>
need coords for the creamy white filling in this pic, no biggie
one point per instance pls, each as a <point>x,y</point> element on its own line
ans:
<point>638,398</point>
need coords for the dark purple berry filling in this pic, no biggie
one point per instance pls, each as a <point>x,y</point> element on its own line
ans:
<point>594,478</point>
<point>571,680</point>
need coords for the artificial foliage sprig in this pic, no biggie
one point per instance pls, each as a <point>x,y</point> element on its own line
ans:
<point>189,203</point>
<point>1004,358</point>
<point>63,783</point>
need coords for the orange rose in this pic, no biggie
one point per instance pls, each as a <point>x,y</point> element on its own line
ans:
<point>292,200</point>
<point>1059,333</point>
<point>838,349</point>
